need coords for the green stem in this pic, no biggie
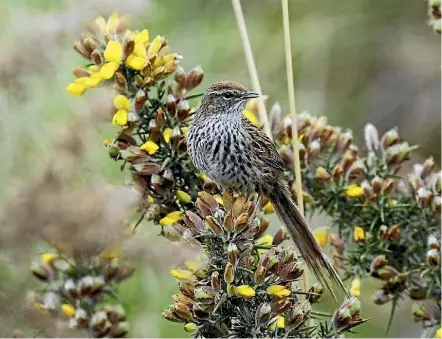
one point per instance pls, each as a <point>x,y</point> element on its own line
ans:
<point>193,96</point>
<point>393,310</point>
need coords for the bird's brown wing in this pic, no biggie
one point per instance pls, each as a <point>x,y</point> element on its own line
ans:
<point>263,147</point>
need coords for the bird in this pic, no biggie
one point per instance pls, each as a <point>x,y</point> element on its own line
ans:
<point>234,153</point>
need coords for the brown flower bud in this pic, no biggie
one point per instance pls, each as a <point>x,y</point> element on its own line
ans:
<point>232,253</point>
<point>80,72</point>
<point>347,161</point>
<point>128,47</point>
<point>355,170</point>
<point>394,232</point>
<point>280,236</point>
<point>183,109</point>
<point>215,282</point>
<point>337,172</point>
<point>388,185</point>
<point>194,78</point>
<point>159,117</point>
<point>260,274</point>
<point>381,297</point>
<point>376,184</point>
<point>315,293</point>
<point>79,48</point>
<point>345,140</point>
<point>140,99</point>
<point>187,289</point>
<point>172,317</point>
<point>281,305</point>
<point>213,225</point>
<point>428,167</point>
<point>291,271</point>
<point>182,310</point>
<point>43,272</point>
<point>432,242</point>
<point>371,137</point>
<point>313,149</point>
<point>385,273</point>
<point>229,273</point>
<point>263,314</point>
<point>368,190</point>
<point>390,138</point>
<point>180,76</point>
<point>433,258</point>
<point>383,232</point>
<point>417,293</point>
<point>121,329</point>
<point>205,294</point>
<point>295,316</point>
<point>97,58</point>
<point>378,262</point>
<point>322,174</point>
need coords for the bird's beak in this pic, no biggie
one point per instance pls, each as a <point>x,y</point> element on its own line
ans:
<point>250,95</point>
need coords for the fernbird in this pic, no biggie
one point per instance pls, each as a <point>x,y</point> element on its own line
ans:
<point>236,154</point>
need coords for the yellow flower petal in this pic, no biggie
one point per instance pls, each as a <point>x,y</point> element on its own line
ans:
<point>166,134</point>
<point>150,147</point>
<point>321,236</point>
<point>245,291</point>
<point>358,233</point>
<point>354,191</point>
<point>274,289</point>
<point>185,130</point>
<point>93,68</point>
<point>355,289</point>
<point>393,202</point>
<point>135,62</point>
<point>202,176</point>
<point>265,240</point>
<point>120,118</point>
<point>181,274</point>
<point>101,23</point>
<point>268,208</point>
<point>92,81</point>
<point>68,310</point>
<point>150,199</point>
<point>280,323</point>
<point>155,46</point>
<point>284,293</point>
<point>183,197</point>
<point>113,51</point>
<point>76,89</point>
<point>121,102</point>
<point>108,70</point>
<point>140,50</point>
<point>190,327</point>
<point>80,80</point>
<point>40,306</point>
<point>252,117</point>
<point>438,333</point>
<point>171,218</point>
<point>192,265</point>
<point>48,257</point>
<point>218,199</point>
<point>112,22</point>
<point>142,37</point>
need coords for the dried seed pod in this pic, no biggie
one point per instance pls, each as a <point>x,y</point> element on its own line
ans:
<point>383,232</point>
<point>280,236</point>
<point>213,225</point>
<point>376,184</point>
<point>194,78</point>
<point>259,275</point>
<point>433,258</point>
<point>390,138</point>
<point>215,281</point>
<point>322,174</point>
<point>394,232</point>
<point>378,262</point>
<point>97,58</point>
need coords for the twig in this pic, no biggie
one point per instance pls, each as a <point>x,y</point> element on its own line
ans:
<point>251,65</point>
<point>291,93</point>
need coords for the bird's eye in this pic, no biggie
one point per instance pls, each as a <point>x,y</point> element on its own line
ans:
<point>228,95</point>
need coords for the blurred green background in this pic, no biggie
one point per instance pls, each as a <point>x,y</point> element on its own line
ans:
<point>355,61</point>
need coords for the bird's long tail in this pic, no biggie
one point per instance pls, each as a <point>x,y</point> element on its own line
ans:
<point>304,239</point>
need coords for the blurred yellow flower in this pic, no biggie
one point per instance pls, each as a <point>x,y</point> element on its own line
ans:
<point>111,253</point>
<point>113,51</point>
<point>76,89</point>
<point>150,147</point>
<point>438,333</point>
<point>40,306</point>
<point>190,327</point>
<point>121,102</point>
<point>278,291</point>
<point>142,37</point>
<point>101,23</point>
<point>355,288</point>
<point>321,236</point>
<point>171,218</point>
<point>280,323</point>
<point>219,199</point>
<point>93,81</point>
<point>192,265</point>
<point>358,233</point>
<point>68,310</point>
<point>155,46</point>
<point>183,197</point>
<point>265,240</point>
<point>268,208</point>
<point>252,117</point>
<point>150,199</point>
<point>393,202</point>
<point>182,274</point>
<point>354,191</point>
<point>112,22</point>
<point>108,70</point>
<point>93,68</point>
<point>135,62</point>
<point>166,134</point>
<point>48,257</point>
<point>244,291</point>
<point>140,50</point>
<point>185,130</point>
<point>202,176</point>
<point>120,118</point>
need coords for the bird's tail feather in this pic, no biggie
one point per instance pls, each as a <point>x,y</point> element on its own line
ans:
<point>303,237</point>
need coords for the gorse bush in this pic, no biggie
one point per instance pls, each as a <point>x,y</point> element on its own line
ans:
<point>245,281</point>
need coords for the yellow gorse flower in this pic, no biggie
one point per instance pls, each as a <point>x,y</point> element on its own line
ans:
<point>150,147</point>
<point>68,310</point>
<point>171,218</point>
<point>321,236</point>
<point>265,240</point>
<point>183,197</point>
<point>438,333</point>
<point>219,199</point>
<point>120,117</point>
<point>166,134</point>
<point>113,51</point>
<point>278,291</point>
<point>354,191</point>
<point>108,70</point>
<point>268,208</point>
<point>121,102</point>
<point>251,116</point>
<point>48,257</point>
<point>358,233</point>
<point>244,291</point>
<point>280,323</point>
<point>355,288</point>
<point>76,89</point>
<point>182,274</point>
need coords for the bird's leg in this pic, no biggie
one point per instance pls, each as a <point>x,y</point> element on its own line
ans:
<point>257,203</point>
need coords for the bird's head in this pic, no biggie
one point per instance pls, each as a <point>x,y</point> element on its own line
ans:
<point>226,97</point>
